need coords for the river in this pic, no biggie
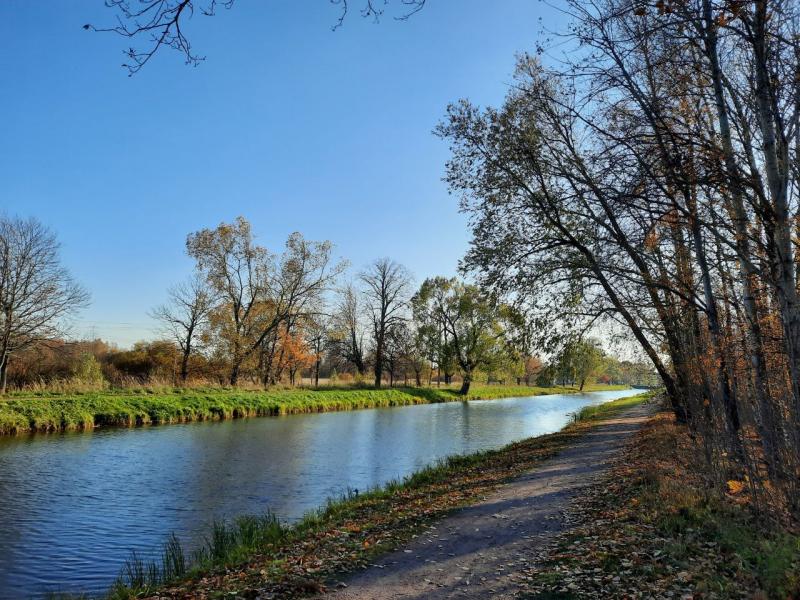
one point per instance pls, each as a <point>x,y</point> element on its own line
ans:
<point>74,505</point>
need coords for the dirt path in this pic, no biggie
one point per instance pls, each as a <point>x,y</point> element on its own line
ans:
<point>482,551</point>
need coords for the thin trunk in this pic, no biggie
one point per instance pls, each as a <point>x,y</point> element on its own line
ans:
<point>378,360</point>
<point>729,405</point>
<point>747,272</point>
<point>773,155</point>
<point>4,373</point>
<point>185,365</point>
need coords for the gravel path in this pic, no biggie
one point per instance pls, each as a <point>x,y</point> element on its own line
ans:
<point>482,551</point>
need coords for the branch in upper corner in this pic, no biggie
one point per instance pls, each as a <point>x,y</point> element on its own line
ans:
<point>161,22</point>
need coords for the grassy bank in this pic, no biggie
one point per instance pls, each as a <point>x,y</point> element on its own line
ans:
<point>257,555</point>
<point>656,527</point>
<point>60,412</point>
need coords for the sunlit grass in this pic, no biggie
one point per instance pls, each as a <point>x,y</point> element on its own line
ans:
<point>60,412</point>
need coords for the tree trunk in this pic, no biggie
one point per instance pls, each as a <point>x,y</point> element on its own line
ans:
<point>234,374</point>
<point>730,408</point>
<point>3,374</point>
<point>185,366</point>
<point>378,366</point>
<point>583,381</point>
<point>465,385</point>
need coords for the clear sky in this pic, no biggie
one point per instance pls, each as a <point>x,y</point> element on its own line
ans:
<point>294,126</point>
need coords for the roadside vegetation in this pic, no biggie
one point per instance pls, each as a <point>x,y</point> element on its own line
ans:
<point>56,411</point>
<point>656,527</point>
<point>257,555</point>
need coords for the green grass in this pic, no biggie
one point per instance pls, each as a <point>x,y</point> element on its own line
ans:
<point>602,411</point>
<point>61,412</point>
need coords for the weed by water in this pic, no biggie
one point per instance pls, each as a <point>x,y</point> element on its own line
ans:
<point>226,542</point>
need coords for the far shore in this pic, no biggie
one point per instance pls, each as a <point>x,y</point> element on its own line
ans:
<point>44,412</point>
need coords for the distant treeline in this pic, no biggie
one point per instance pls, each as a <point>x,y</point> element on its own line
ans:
<point>95,365</point>
<point>247,316</point>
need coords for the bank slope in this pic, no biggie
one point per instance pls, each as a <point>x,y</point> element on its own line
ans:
<point>105,409</point>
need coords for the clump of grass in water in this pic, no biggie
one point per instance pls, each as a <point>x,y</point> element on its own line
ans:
<point>173,559</point>
<point>227,542</point>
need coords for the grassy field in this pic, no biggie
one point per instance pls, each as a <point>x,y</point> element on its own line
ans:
<point>61,412</point>
<point>257,552</point>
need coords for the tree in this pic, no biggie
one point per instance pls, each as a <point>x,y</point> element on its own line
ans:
<point>547,375</point>
<point>650,182</point>
<point>318,332</point>
<point>533,366</point>
<point>587,358</point>
<point>471,320</point>
<point>184,316</point>
<point>386,290</point>
<point>261,298</point>
<point>162,23</point>
<point>347,337</point>
<point>148,360</point>
<point>296,355</point>
<point>412,349</point>
<point>294,293</point>
<point>38,295</point>
<point>235,268</point>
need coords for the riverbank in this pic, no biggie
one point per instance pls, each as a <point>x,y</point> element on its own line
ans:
<point>656,527</point>
<point>65,412</point>
<point>258,556</point>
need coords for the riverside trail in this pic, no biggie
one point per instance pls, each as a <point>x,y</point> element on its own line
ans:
<point>485,550</point>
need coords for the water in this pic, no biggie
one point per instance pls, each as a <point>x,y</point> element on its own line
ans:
<point>73,505</point>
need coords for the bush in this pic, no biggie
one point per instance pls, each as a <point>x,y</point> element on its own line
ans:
<point>89,373</point>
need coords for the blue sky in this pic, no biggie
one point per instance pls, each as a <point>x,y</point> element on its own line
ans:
<point>294,126</point>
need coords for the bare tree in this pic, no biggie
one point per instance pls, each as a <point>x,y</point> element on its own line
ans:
<point>295,292</point>
<point>37,294</point>
<point>318,330</point>
<point>347,339</point>
<point>387,287</point>
<point>184,315</point>
<point>161,22</point>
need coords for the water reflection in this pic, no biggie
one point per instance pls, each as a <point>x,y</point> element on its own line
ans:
<point>72,506</point>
